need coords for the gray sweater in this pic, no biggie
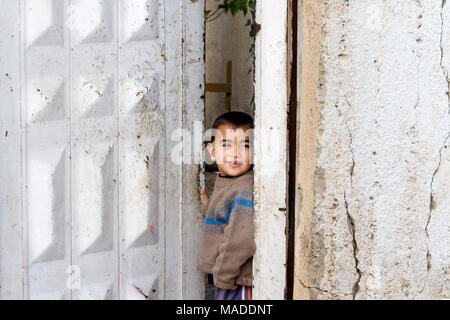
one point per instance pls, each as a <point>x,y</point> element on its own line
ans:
<point>227,245</point>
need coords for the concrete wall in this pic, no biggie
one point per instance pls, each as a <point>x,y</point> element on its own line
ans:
<point>227,38</point>
<point>374,152</point>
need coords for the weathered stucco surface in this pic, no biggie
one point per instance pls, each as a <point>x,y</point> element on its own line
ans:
<point>227,38</point>
<point>374,154</point>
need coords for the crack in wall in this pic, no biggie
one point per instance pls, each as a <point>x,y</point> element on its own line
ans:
<point>432,206</point>
<point>444,69</point>
<point>320,290</point>
<point>350,145</point>
<point>350,219</point>
<point>432,202</point>
<point>351,227</point>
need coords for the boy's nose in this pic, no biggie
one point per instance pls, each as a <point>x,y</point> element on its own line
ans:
<point>237,152</point>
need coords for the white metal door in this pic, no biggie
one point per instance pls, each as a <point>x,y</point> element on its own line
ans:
<point>91,206</point>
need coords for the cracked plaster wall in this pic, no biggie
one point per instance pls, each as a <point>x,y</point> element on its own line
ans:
<point>374,172</point>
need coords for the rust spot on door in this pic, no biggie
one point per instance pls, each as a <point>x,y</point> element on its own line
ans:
<point>257,28</point>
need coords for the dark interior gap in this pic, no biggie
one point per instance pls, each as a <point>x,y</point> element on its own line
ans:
<point>292,152</point>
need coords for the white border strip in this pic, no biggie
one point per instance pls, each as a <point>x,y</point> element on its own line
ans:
<point>269,267</point>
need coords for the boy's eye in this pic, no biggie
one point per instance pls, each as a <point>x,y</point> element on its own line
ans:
<point>245,145</point>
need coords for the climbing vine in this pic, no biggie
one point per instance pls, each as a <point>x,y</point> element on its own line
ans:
<point>234,7</point>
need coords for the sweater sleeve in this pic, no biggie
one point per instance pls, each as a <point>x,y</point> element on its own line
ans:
<point>238,245</point>
<point>205,208</point>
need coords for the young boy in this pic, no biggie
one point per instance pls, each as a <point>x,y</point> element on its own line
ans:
<point>227,245</point>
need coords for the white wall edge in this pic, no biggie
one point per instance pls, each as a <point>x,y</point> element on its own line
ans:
<point>269,266</point>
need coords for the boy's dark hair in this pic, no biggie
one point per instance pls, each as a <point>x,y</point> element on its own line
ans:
<point>236,119</point>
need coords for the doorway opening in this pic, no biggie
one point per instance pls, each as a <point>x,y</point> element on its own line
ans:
<point>257,70</point>
<point>229,71</point>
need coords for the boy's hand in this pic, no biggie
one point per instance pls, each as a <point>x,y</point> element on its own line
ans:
<point>235,287</point>
<point>204,197</point>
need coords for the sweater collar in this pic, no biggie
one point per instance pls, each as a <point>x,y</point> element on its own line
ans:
<point>225,181</point>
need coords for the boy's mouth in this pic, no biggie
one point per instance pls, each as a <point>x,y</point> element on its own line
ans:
<point>235,164</point>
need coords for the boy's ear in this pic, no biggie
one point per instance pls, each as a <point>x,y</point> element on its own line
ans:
<point>212,151</point>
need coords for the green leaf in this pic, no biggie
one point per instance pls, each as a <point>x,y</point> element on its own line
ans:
<point>233,10</point>
<point>249,22</point>
<point>241,4</point>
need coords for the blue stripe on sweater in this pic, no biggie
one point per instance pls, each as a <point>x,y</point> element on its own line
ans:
<point>238,201</point>
<point>214,222</point>
<point>244,202</point>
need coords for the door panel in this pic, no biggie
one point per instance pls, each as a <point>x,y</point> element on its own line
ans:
<point>99,91</point>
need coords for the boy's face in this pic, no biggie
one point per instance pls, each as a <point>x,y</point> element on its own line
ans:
<point>232,150</point>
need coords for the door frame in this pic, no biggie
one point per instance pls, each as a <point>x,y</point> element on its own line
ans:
<point>271,157</point>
